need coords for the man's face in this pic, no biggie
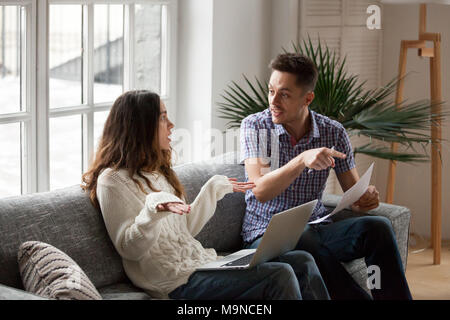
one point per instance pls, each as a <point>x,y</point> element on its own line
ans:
<point>287,100</point>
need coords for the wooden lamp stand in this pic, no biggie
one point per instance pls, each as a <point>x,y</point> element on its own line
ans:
<point>434,55</point>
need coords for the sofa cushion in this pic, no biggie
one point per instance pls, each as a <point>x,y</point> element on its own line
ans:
<point>66,219</point>
<point>123,291</point>
<point>222,232</point>
<point>358,270</point>
<point>50,273</point>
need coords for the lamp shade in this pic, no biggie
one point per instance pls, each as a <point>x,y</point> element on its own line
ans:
<point>415,1</point>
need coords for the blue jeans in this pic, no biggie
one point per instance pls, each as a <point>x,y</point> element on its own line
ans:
<point>368,237</point>
<point>292,276</point>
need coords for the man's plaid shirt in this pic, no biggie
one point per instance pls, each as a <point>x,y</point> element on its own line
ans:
<point>261,138</point>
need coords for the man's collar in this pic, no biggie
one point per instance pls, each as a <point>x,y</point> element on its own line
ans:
<point>314,127</point>
<point>280,130</point>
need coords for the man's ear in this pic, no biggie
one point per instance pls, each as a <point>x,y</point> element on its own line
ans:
<point>309,97</point>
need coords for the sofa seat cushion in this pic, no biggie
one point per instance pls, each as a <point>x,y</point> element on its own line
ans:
<point>123,291</point>
<point>50,273</point>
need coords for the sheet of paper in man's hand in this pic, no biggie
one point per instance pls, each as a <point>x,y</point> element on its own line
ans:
<point>351,195</point>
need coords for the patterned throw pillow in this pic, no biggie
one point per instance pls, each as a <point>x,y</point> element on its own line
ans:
<point>49,272</point>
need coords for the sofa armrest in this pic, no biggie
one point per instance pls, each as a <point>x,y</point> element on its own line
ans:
<point>10,293</point>
<point>398,215</point>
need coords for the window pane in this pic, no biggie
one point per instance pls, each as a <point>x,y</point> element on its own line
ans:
<point>99,122</point>
<point>147,51</point>
<point>108,52</point>
<point>10,58</point>
<point>65,51</point>
<point>65,151</point>
<point>10,162</point>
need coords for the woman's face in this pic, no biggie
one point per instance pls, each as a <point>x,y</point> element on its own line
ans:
<point>165,127</point>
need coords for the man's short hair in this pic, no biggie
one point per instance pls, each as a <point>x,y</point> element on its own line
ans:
<point>299,65</point>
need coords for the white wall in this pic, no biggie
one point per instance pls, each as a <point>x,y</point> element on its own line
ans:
<point>194,83</point>
<point>413,182</point>
<point>241,44</point>
<point>219,41</point>
<point>284,26</point>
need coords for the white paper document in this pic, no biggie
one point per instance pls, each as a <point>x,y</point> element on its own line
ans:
<point>351,195</point>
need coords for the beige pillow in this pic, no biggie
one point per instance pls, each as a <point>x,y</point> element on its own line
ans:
<point>49,272</point>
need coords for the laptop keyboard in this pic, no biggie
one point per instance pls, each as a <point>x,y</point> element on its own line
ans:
<point>245,260</point>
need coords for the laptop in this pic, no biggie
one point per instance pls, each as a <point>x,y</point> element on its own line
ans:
<point>282,235</point>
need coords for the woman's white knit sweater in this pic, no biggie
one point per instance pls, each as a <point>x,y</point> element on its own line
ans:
<point>158,249</point>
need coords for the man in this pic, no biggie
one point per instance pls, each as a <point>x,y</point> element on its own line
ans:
<point>288,151</point>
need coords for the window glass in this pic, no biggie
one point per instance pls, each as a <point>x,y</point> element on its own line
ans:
<point>11,33</point>
<point>99,123</point>
<point>147,50</point>
<point>10,159</point>
<point>65,55</point>
<point>108,52</point>
<point>65,151</point>
<point>69,82</point>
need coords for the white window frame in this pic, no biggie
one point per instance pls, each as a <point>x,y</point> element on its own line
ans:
<point>36,117</point>
<point>28,115</point>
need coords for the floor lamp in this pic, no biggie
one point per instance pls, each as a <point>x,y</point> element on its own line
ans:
<point>434,55</point>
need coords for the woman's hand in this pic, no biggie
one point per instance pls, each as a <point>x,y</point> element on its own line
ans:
<point>241,186</point>
<point>174,207</point>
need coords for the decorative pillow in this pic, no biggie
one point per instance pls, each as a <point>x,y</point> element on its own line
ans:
<point>49,272</point>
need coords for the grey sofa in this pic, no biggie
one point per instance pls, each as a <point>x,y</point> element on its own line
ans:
<point>66,219</point>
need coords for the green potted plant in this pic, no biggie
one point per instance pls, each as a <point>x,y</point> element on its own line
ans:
<point>341,97</point>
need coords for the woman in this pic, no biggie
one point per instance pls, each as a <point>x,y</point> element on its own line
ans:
<point>143,205</point>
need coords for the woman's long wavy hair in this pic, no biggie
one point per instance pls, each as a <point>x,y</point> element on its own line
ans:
<point>130,141</point>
